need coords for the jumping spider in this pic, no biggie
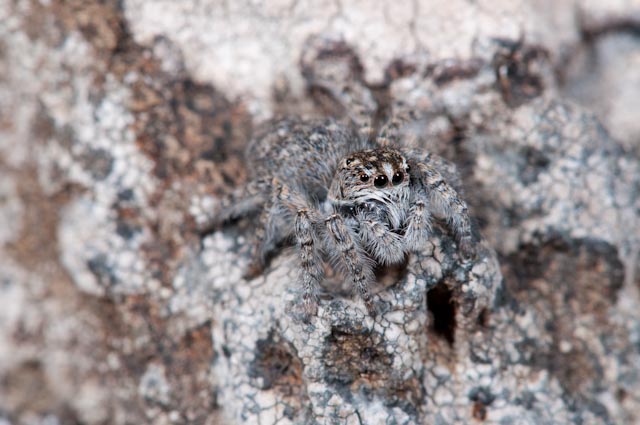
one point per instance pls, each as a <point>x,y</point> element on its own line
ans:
<point>342,196</point>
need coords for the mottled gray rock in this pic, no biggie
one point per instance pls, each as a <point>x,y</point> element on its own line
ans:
<point>122,123</point>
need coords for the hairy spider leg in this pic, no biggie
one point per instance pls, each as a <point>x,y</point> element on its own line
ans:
<point>355,260</point>
<point>236,205</point>
<point>444,199</point>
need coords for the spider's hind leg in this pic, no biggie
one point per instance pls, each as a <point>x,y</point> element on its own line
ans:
<point>269,230</point>
<point>236,205</point>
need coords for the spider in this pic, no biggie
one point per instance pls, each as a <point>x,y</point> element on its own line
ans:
<point>341,196</point>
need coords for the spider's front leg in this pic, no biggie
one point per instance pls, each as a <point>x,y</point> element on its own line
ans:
<point>434,192</point>
<point>352,256</point>
<point>384,245</point>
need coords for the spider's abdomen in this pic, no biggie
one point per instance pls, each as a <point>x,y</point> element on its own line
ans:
<point>301,154</point>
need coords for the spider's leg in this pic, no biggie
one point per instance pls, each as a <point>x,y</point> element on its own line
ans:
<point>329,66</point>
<point>386,246</point>
<point>444,200</point>
<point>311,271</point>
<point>352,256</point>
<point>391,132</point>
<point>262,238</point>
<point>418,227</point>
<point>239,203</point>
<point>280,204</point>
<point>306,234</point>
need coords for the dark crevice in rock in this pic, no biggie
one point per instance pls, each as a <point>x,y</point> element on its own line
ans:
<point>483,318</point>
<point>442,306</point>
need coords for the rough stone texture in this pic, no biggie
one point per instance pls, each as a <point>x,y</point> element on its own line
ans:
<point>121,124</point>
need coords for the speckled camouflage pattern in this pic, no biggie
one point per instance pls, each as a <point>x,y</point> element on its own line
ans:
<point>341,196</point>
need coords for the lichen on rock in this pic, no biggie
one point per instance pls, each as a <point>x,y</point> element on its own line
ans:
<point>122,124</point>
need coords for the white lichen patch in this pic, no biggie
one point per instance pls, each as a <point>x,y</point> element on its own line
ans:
<point>93,147</point>
<point>98,259</point>
<point>31,318</point>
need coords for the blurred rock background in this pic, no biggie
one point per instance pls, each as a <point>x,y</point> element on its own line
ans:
<point>122,122</point>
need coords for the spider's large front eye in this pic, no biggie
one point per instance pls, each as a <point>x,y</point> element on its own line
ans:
<point>397,178</point>
<point>364,177</point>
<point>380,180</point>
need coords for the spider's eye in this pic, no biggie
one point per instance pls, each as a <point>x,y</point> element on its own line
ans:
<point>349,161</point>
<point>380,180</point>
<point>364,177</point>
<point>397,177</point>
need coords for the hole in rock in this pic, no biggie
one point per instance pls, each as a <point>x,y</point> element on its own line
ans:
<point>441,305</point>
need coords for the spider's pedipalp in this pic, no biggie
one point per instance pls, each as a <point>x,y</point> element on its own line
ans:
<point>385,246</point>
<point>418,226</point>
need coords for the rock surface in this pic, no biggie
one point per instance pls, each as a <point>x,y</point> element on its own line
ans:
<point>122,124</point>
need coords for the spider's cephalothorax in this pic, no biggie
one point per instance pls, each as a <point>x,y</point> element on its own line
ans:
<point>339,194</point>
<point>376,179</point>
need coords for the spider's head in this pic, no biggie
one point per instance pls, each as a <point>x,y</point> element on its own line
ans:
<point>375,175</point>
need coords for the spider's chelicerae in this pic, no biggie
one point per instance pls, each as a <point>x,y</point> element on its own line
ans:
<point>342,196</point>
